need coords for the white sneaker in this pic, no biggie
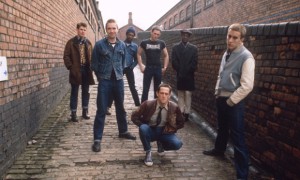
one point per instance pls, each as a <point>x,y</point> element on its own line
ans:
<point>148,159</point>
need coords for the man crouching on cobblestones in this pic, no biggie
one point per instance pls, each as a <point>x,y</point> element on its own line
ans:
<point>158,120</point>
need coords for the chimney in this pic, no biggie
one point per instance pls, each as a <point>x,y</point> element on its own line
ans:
<point>130,18</point>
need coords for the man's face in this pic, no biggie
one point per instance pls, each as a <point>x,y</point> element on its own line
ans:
<point>112,30</point>
<point>163,95</point>
<point>185,37</point>
<point>81,31</point>
<point>129,36</point>
<point>234,40</point>
<point>155,34</point>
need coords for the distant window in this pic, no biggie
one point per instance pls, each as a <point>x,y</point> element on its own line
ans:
<point>197,6</point>
<point>165,25</point>
<point>171,22</point>
<point>189,11</point>
<point>208,3</point>
<point>176,20</point>
<point>182,15</point>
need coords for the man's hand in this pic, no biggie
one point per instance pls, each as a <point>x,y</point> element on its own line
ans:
<point>163,70</point>
<point>142,68</point>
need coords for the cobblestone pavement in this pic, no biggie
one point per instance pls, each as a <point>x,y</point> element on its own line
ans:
<point>63,151</point>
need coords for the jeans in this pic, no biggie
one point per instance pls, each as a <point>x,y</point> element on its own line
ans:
<point>151,71</point>
<point>231,123</point>
<point>149,134</point>
<point>106,89</point>
<point>130,78</point>
<point>85,95</point>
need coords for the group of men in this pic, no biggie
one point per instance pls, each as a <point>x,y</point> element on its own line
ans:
<point>159,119</point>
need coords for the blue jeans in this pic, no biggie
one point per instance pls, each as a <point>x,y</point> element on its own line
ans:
<point>131,82</point>
<point>151,71</point>
<point>231,124</point>
<point>106,89</point>
<point>149,134</point>
<point>85,95</point>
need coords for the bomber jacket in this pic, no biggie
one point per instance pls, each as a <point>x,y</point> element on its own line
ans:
<point>236,77</point>
<point>106,58</point>
<point>174,119</point>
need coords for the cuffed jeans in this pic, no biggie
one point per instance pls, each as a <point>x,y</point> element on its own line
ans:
<point>151,71</point>
<point>107,89</point>
<point>131,82</point>
<point>231,123</point>
<point>149,134</point>
<point>85,96</point>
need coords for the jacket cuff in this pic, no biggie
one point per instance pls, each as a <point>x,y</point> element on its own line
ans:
<point>229,102</point>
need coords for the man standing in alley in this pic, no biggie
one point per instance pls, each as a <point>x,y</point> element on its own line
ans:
<point>153,48</point>
<point>131,62</point>
<point>158,120</point>
<point>77,59</point>
<point>235,82</point>
<point>184,62</point>
<point>108,62</point>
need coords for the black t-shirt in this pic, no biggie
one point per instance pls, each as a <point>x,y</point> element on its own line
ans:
<point>153,50</point>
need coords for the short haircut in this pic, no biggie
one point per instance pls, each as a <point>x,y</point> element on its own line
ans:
<point>81,24</point>
<point>164,85</point>
<point>110,21</point>
<point>156,27</point>
<point>238,27</point>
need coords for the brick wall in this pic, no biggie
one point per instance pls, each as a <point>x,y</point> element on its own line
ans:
<point>33,35</point>
<point>273,108</point>
<point>225,12</point>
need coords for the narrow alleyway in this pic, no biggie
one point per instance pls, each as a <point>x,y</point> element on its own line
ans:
<point>63,151</point>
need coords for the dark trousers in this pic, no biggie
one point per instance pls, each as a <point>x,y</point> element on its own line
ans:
<point>131,82</point>
<point>231,124</point>
<point>149,73</point>
<point>85,95</point>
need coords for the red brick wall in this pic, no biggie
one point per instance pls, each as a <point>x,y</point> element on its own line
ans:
<point>272,112</point>
<point>226,12</point>
<point>33,35</point>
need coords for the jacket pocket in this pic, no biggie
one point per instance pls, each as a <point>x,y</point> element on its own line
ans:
<point>232,80</point>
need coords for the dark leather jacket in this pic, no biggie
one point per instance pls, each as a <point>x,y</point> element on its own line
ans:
<point>174,120</point>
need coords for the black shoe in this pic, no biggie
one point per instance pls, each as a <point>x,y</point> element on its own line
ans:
<point>160,148</point>
<point>74,116</point>
<point>107,112</point>
<point>213,152</point>
<point>127,136</point>
<point>186,117</point>
<point>96,146</point>
<point>85,114</point>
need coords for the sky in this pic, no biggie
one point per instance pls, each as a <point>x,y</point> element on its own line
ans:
<point>144,12</point>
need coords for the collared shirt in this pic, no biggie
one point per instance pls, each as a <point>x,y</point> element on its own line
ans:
<point>164,113</point>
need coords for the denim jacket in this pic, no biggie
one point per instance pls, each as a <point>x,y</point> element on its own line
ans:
<point>131,55</point>
<point>105,58</point>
